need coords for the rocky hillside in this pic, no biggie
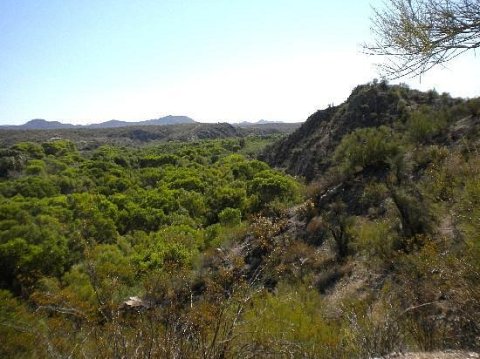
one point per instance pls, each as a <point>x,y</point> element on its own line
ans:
<point>393,177</point>
<point>308,151</point>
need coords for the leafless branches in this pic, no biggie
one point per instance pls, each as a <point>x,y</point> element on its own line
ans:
<point>416,35</point>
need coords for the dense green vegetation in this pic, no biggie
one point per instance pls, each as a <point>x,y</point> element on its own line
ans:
<point>145,207</point>
<point>80,232</point>
<point>198,250</point>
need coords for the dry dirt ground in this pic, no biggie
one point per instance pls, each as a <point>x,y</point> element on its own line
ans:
<point>436,355</point>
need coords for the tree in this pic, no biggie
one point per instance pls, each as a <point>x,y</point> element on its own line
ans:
<point>269,185</point>
<point>339,224</point>
<point>416,35</point>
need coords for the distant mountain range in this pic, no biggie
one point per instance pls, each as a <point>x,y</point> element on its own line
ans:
<point>261,122</point>
<point>40,124</point>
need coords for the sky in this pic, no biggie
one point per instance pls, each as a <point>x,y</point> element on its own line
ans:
<point>213,60</point>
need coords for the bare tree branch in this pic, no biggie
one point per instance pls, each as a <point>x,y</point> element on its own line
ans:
<point>416,35</point>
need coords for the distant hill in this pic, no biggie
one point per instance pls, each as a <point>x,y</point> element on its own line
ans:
<point>263,125</point>
<point>40,124</point>
<point>109,124</point>
<point>168,120</point>
<point>260,122</point>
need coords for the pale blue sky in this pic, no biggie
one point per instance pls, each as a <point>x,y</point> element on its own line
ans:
<point>90,61</point>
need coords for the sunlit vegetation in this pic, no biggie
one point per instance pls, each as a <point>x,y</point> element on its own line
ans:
<point>81,232</point>
<point>199,250</point>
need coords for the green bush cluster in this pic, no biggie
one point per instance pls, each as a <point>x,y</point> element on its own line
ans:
<point>61,202</point>
<point>367,147</point>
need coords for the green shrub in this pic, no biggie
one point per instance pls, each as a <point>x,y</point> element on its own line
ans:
<point>371,330</point>
<point>268,185</point>
<point>292,321</point>
<point>17,329</point>
<point>59,147</point>
<point>366,147</point>
<point>35,167</point>
<point>230,216</point>
<point>158,160</point>
<point>373,194</point>
<point>374,238</point>
<point>32,149</point>
<point>414,214</point>
<point>424,124</point>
